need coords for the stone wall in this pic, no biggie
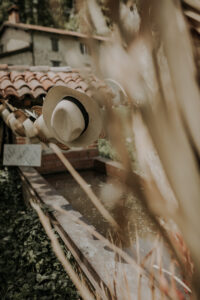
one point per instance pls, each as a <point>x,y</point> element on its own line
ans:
<point>68,54</point>
<point>18,59</point>
<point>13,39</point>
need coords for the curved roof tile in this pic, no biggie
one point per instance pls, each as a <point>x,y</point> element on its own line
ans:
<point>24,91</point>
<point>47,84</point>
<point>34,82</point>
<point>9,91</point>
<point>39,92</point>
<point>15,75</point>
<point>18,84</point>
<point>5,83</point>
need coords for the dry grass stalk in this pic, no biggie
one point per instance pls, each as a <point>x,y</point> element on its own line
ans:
<point>172,120</point>
<point>84,186</point>
<point>109,244</point>
<point>140,268</point>
<point>85,293</point>
<point>181,127</point>
<point>167,98</point>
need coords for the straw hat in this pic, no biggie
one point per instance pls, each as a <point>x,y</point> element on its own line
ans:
<point>15,125</point>
<point>29,129</point>
<point>5,114</point>
<point>2,106</point>
<point>73,117</point>
<point>41,129</point>
<point>120,96</point>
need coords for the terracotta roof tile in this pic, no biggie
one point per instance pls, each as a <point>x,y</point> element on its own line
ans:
<point>28,76</point>
<point>5,83</point>
<point>53,76</point>
<point>40,76</point>
<point>68,79</point>
<point>34,82</point>
<point>23,91</point>
<point>3,75</point>
<point>60,82</point>
<point>47,84</point>
<point>83,85</point>
<point>75,76</point>
<point>39,92</point>
<point>43,78</point>
<point>64,75</point>
<point>72,84</point>
<point>9,91</point>
<point>15,75</point>
<point>18,84</point>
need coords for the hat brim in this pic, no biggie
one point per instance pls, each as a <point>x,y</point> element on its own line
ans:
<point>55,95</point>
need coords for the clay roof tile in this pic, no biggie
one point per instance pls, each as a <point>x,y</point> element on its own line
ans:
<point>5,83</point>
<point>10,91</point>
<point>3,75</point>
<point>23,91</point>
<point>34,84</point>
<point>18,84</point>
<point>36,81</point>
<point>51,75</point>
<point>83,85</point>
<point>75,76</point>
<point>40,76</point>
<point>38,92</point>
<point>47,84</point>
<point>28,76</point>
<point>72,84</point>
<point>44,77</point>
<point>60,82</point>
<point>68,79</point>
<point>15,75</point>
<point>64,76</point>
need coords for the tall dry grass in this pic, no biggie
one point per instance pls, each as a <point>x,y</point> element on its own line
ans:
<point>155,66</point>
<point>150,61</point>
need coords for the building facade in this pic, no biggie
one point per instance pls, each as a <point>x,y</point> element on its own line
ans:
<point>25,44</point>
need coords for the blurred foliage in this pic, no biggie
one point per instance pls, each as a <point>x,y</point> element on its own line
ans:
<point>106,10</point>
<point>106,150</point>
<point>28,267</point>
<point>53,13</point>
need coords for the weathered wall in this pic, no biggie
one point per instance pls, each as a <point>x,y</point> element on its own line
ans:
<point>18,59</point>
<point>69,53</point>
<point>13,39</point>
<point>69,50</point>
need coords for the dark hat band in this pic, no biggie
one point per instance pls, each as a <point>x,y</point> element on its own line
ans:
<point>82,109</point>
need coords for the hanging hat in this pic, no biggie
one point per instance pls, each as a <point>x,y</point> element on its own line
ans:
<point>15,124</point>
<point>2,107</point>
<point>120,96</point>
<point>21,117</point>
<point>29,129</point>
<point>5,113</point>
<point>73,117</point>
<point>41,129</point>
